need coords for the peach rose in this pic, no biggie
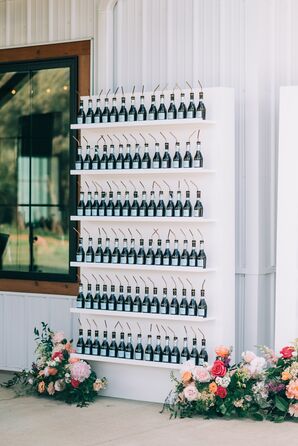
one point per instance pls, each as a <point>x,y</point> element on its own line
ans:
<point>213,387</point>
<point>202,374</point>
<point>52,371</point>
<point>191,392</point>
<point>293,410</point>
<point>51,388</point>
<point>286,376</point>
<point>41,387</point>
<point>69,348</point>
<point>292,389</point>
<point>222,351</point>
<point>73,360</point>
<point>186,376</point>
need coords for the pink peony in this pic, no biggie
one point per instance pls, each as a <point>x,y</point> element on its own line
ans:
<point>248,356</point>
<point>293,410</point>
<point>58,337</point>
<point>292,389</point>
<point>80,371</point>
<point>191,392</point>
<point>201,374</point>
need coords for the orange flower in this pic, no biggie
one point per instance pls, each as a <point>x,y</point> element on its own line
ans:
<point>292,390</point>
<point>222,351</point>
<point>73,360</point>
<point>69,348</point>
<point>286,376</point>
<point>52,371</point>
<point>213,387</point>
<point>186,376</point>
<point>41,387</point>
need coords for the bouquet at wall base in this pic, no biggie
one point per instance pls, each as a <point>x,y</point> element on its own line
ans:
<point>220,389</point>
<point>55,374</point>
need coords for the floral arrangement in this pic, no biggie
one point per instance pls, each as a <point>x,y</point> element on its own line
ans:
<point>56,374</point>
<point>257,387</point>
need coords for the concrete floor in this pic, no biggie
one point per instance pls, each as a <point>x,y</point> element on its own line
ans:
<point>32,421</point>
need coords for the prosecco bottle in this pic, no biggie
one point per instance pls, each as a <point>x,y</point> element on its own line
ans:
<point>146,305</point>
<point>182,108</point>
<point>88,206</point>
<point>105,117</point>
<point>202,307</point>
<point>157,355</point>
<point>193,254</point>
<point>104,348</point>
<point>118,205</point>
<point>191,111</point>
<point>152,205</point>
<point>97,114</point>
<point>95,205</point>
<point>167,257</point>
<point>90,252</point>
<point>166,354</point>
<point>90,113</point>
<point>139,350</point>
<point>80,254</point>
<point>88,343</point>
<point>81,114</point>
<point>80,347</point>
<point>121,299</point>
<point>104,298</point>
<point>89,298</point>
<point>112,158</point>
<point>152,115</point>
<point>135,208</point>
<point>114,111</point>
<point>95,345</point>
<point>175,353</point>
<point>128,300</point>
<point>80,302</point>
<point>142,113</point>
<point>174,307</point>
<point>102,210</point>
<point>149,349</point>
<point>112,302</point>
<point>107,252</point>
<point>121,347</point>
<point>116,252</point>
<point>96,159</point>
<point>129,350</point>
<point>122,117</point>
<point>132,115</point>
<point>172,111</point>
<point>198,207</point>
<point>201,109</point>
<point>87,160</point>
<point>177,159</point>
<point>79,159</point>
<point>81,205</point>
<point>113,348</point>
<point>170,206</point>
<point>175,260</point>
<point>158,260</point>
<point>137,161</point>
<point>126,209</point>
<point>184,261</point>
<point>198,158</point>
<point>203,356</point>
<point>183,307</point>
<point>150,254</point>
<point>156,162</point>
<point>137,303</point>
<point>96,300</point>
<point>187,159</point>
<point>120,158</point>
<point>194,354</point>
<point>187,208</point>
<point>124,253</point>
<point>160,209</point>
<point>166,159</point>
<point>201,259</point>
<point>192,307</point>
<point>146,160</point>
<point>128,158</point>
<point>143,211</point>
<point>185,355</point>
<point>132,255</point>
<point>104,158</point>
<point>162,111</point>
<point>99,252</point>
<point>141,253</point>
<point>110,205</point>
<point>164,304</point>
<point>155,302</point>
<point>178,209</point>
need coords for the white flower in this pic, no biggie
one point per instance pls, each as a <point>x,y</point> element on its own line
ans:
<point>223,382</point>
<point>59,385</point>
<point>30,381</point>
<point>248,356</point>
<point>257,365</point>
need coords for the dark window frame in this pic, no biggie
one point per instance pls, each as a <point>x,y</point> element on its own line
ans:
<point>31,65</point>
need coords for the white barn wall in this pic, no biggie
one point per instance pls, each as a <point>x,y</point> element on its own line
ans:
<point>250,45</point>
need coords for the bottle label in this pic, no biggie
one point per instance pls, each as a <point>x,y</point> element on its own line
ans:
<point>161,115</point>
<point>109,213</point>
<point>78,166</point>
<point>135,308</point>
<point>175,261</point>
<point>111,306</point>
<point>112,353</point>
<point>200,263</point>
<point>138,356</point>
<point>173,310</point>
<point>142,212</point>
<point>191,312</point>
<point>166,261</point>
<point>114,259</point>
<point>127,307</point>
<point>104,119</point>
<point>145,309</point>
<point>156,357</point>
<point>149,261</point>
<point>88,212</point>
<point>103,306</point>
<point>201,312</point>
<point>134,212</point>
<point>88,120</point>
<point>121,354</point>
<point>192,262</point>
<point>180,115</point>
<point>177,213</point>
<point>155,164</point>
<point>101,212</point>
<point>201,361</point>
<point>163,310</point>
<point>135,165</point>
<point>112,118</point>
<point>88,305</point>
<point>186,213</point>
<point>170,115</point>
<point>150,117</point>
<point>79,120</point>
<point>157,261</point>
<point>192,360</point>
<point>119,165</point>
<point>94,212</point>
<point>103,352</point>
<point>97,259</point>
<point>165,358</point>
<point>79,350</point>
<point>125,212</point>
<point>150,212</point>
<point>80,212</point>
<point>121,118</point>
<point>190,114</point>
<point>175,164</point>
<point>164,164</point>
<point>86,166</point>
<point>79,304</point>
<point>186,164</point>
<point>131,261</point>
<point>183,262</point>
<point>174,359</point>
<point>140,261</point>
<point>128,355</point>
<point>79,258</point>
<point>106,259</point>
<point>119,307</point>
<point>147,357</point>
<point>97,119</point>
<point>159,213</point>
<point>140,117</point>
<point>110,165</point>
<point>182,311</point>
<point>87,350</point>
<point>89,258</point>
<point>153,309</point>
<point>197,163</point>
<point>95,351</point>
<point>199,114</point>
<point>95,306</point>
<point>169,213</point>
<point>123,260</point>
<point>131,118</point>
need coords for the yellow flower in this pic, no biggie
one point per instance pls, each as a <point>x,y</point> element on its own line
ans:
<point>286,376</point>
<point>213,387</point>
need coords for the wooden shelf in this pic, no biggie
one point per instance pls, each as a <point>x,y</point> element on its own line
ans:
<point>141,124</point>
<point>132,315</point>
<point>119,266</point>
<point>133,362</point>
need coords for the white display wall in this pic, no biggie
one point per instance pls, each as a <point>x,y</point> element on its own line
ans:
<point>216,182</point>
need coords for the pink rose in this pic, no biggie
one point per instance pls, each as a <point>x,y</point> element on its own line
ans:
<point>248,356</point>
<point>201,374</point>
<point>58,337</point>
<point>191,392</point>
<point>218,368</point>
<point>287,352</point>
<point>57,355</point>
